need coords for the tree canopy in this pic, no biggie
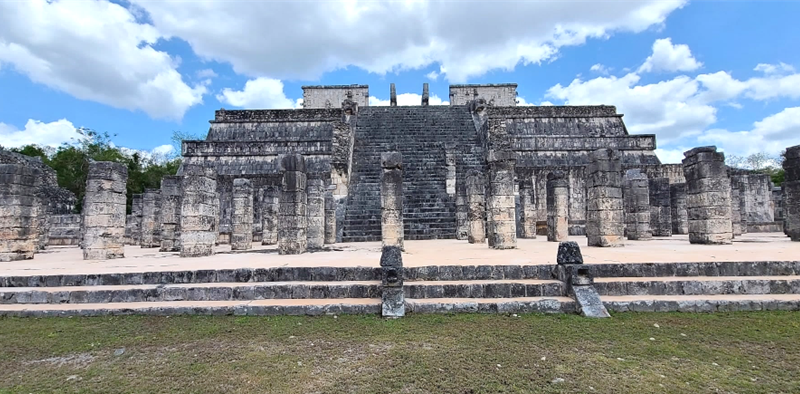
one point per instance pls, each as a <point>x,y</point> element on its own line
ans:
<point>759,162</point>
<point>71,163</point>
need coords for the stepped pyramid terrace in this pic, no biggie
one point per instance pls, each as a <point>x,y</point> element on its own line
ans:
<point>341,207</point>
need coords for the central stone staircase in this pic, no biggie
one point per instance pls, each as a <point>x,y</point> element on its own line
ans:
<point>422,135</point>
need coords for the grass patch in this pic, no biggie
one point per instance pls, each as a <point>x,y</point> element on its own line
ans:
<point>466,353</point>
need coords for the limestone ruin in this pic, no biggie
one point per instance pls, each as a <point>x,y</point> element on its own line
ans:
<point>104,211</point>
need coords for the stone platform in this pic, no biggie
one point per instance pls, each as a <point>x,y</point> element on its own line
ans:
<point>759,271</point>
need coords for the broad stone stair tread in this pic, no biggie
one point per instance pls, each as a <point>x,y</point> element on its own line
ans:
<point>52,289</point>
<point>703,297</point>
<point>693,278</point>
<point>487,300</point>
<point>481,282</point>
<point>297,306</point>
<point>492,305</point>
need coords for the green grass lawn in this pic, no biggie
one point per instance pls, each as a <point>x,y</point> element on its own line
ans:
<point>467,353</point>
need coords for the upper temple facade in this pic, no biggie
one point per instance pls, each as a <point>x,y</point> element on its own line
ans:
<point>342,137</point>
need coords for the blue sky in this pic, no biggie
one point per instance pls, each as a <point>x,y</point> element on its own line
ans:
<point>693,73</point>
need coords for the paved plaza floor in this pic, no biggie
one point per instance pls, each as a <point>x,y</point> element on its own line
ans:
<point>749,247</point>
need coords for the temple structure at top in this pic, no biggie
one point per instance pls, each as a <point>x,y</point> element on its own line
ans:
<point>342,137</point>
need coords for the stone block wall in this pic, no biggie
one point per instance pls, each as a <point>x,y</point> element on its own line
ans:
<point>500,206</point>
<point>332,96</point>
<point>660,211</point>
<point>65,229</point>
<point>605,222</point>
<point>392,229</point>
<point>170,214</point>
<point>791,192</point>
<point>316,213</point>
<point>708,196</point>
<point>680,217</point>
<point>151,218</point>
<point>293,215</point>
<point>757,195</point>
<point>500,95</point>
<point>242,231</point>
<point>636,192</point>
<point>199,214</point>
<point>18,211</point>
<point>104,207</point>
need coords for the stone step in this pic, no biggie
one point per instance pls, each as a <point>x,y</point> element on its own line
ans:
<point>189,292</point>
<point>742,268</point>
<point>702,303</point>
<point>483,288</point>
<point>249,308</point>
<point>697,285</point>
<point>492,305</point>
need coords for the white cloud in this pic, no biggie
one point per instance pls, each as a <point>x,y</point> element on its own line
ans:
<point>601,69</point>
<point>158,154</point>
<point>408,99</point>
<point>671,156</point>
<point>94,50</point>
<point>670,58</point>
<point>39,133</point>
<point>262,93</point>
<point>432,75</point>
<point>206,73</point>
<point>771,69</point>
<point>384,37</point>
<point>771,134</point>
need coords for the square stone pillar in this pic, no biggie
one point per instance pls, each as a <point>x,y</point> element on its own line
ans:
<point>392,231</point>
<point>242,217</point>
<point>170,214</point>
<point>791,192</point>
<point>739,181</point>
<point>500,206</point>
<point>392,296</point>
<point>316,213</point>
<point>527,208</point>
<point>199,215</point>
<point>736,211</point>
<point>271,203</point>
<point>636,192</point>
<point>557,207</point>
<point>136,219</point>
<point>18,188</point>
<point>104,211</point>
<point>605,222</point>
<point>42,223</point>
<point>677,206</point>
<point>151,218</point>
<point>476,205</point>
<point>708,196</point>
<point>293,219</point>
<point>330,218</point>
<point>660,212</point>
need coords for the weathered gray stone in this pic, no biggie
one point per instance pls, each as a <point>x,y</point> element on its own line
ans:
<point>476,202</point>
<point>680,217</point>
<point>557,207</point>
<point>316,213</point>
<point>151,214</point>
<point>104,211</point>
<point>292,223</point>
<point>708,198</point>
<point>605,223</point>
<point>199,212</point>
<point>660,210</point>
<point>392,231</point>
<point>527,208</point>
<point>636,191</point>
<point>500,206</point>
<point>242,229</point>
<point>134,227</point>
<point>736,213</point>
<point>170,218</point>
<point>330,218</point>
<point>791,192</point>
<point>392,297</point>
<point>18,211</point>
<point>270,200</point>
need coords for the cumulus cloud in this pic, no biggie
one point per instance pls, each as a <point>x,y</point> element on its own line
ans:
<point>770,69</point>
<point>433,75</point>
<point>263,93</point>
<point>206,73</point>
<point>295,40</point>
<point>671,156</point>
<point>38,133</point>
<point>601,69</point>
<point>771,134</point>
<point>670,58</point>
<point>94,50</point>
<point>408,99</point>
